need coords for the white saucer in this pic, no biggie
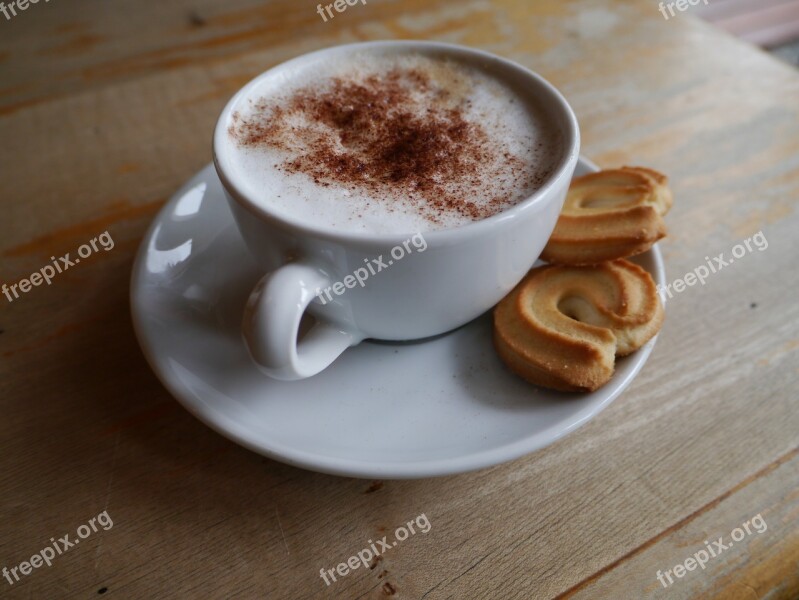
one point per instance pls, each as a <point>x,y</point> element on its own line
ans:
<point>382,410</point>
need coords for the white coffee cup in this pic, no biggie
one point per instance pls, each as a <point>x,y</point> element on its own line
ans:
<point>461,273</point>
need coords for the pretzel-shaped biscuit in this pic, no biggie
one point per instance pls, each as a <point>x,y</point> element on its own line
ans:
<point>610,214</point>
<point>562,326</point>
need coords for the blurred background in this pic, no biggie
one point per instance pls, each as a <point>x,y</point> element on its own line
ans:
<point>771,24</point>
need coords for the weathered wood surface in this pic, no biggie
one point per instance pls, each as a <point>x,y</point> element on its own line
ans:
<point>105,108</point>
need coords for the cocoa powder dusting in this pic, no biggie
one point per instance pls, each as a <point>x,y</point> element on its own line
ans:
<point>377,135</point>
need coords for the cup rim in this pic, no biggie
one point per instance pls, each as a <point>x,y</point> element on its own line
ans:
<point>240,196</point>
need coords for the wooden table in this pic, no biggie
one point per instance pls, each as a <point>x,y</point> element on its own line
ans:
<point>105,108</point>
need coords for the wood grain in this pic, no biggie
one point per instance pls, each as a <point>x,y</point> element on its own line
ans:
<point>107,108</point>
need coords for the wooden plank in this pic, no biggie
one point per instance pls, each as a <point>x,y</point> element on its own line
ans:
<point>64,49</point>
<point>761,563</point>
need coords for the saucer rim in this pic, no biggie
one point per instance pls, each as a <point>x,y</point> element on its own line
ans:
<point>218,421</point>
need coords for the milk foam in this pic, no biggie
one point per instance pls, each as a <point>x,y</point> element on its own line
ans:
<point>516,131</point>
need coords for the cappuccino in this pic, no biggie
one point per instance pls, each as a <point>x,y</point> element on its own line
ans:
<point>391,144</point>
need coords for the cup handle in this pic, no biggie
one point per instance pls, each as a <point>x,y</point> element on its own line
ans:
<point>272,320</point>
